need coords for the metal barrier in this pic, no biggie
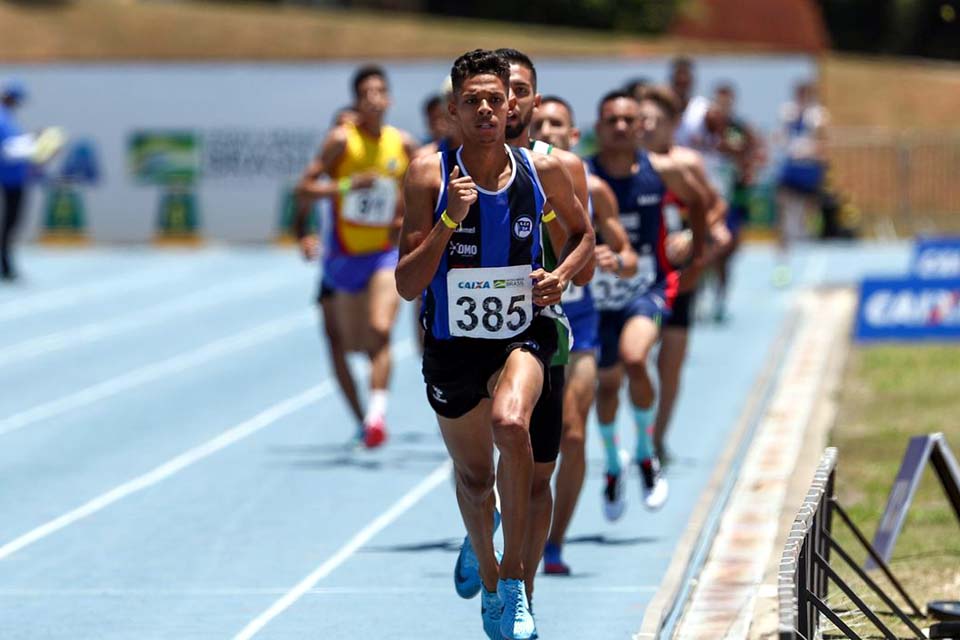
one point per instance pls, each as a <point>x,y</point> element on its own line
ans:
<point>805,571</point>
<point>903,183</point>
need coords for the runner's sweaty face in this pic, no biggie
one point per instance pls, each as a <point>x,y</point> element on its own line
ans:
<point>523,89</point>
<point>551,123</point>
<point>619,125</point>
<point>481,109</point>
<point>656,133</point>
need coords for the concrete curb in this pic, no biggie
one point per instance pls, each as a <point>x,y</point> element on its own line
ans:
<point>698,535</point>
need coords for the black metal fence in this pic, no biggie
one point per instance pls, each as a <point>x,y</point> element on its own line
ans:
<point>805,573</point>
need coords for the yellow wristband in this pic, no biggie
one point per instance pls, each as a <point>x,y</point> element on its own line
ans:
<point>448,221</point>
<point>549,217</point>
<point>344,185</point>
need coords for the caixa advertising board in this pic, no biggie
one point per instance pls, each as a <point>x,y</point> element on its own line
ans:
<point>909,309</point>
<point>936,258</point>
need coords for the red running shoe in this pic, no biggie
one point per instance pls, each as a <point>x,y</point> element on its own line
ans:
<point>374,433</point>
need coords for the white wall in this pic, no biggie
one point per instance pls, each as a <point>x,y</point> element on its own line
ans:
<point>296,101</point>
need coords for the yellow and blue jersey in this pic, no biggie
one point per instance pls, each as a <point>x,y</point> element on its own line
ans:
<point>363,218</point>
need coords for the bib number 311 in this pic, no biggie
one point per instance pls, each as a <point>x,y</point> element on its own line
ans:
<point>373,207</point>
<point>491,303</point>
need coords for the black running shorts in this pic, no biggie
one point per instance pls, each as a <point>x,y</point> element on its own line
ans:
<point>456,371</point>
<point>682,315</point>
<point>546,423</point>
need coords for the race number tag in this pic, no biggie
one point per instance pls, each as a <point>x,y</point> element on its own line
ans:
<point>489,303</point>
<point>612,293</point>
<point>372,207</point>
<point>571,294</point>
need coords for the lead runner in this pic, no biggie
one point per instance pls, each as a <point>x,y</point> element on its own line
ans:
<point>470,238</point>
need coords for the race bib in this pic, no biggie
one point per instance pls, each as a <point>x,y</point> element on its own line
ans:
<point>612,293</point>
<point>372,207</point>
<point>571,294</point>
<point>489,303</point>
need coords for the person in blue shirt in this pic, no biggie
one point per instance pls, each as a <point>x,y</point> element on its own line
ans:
<point>15,151</point>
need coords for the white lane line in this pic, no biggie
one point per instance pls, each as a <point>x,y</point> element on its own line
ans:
<point>412,497</point>
<point>67,296</point>
<point>157,370</point>
<point>230,436</point>
<point>93,331</point>
<point>230,592</point>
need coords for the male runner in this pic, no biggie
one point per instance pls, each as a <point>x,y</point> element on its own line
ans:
<point>548,413</point>
<point>553,124</point>
<point>367,159</point>
<point>311,249</point>
<point>471,239</point>
<point>675,332</point>
<point>631,308</point>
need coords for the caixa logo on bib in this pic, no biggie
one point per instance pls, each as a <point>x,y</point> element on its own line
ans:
<point>909,309</point>
<point>522,227</point>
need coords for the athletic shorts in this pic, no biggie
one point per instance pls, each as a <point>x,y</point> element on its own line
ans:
<point>546,423</point>
<point>352,273</point>
<point>651,304</point>
<point>324,291</point>
<point>681,316</point>
<point>456,371</point>
<point>585,327</point>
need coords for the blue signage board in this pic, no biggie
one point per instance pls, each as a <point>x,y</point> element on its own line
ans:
<point>936,258</point>
<point>909,309</point>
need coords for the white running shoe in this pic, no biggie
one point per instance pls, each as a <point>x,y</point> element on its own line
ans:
<point>653,485</point>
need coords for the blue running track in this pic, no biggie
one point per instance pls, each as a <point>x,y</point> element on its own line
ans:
<point>174,459</point>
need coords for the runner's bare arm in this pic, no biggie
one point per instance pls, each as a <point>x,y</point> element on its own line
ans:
<point>422,242</point>
<point>558,237</point>
<point>680,177</point>
<point>410,148</point>
<point>606,215</point>
<point>577,253</point>
<point>716,207</point>
<point>310,185</point>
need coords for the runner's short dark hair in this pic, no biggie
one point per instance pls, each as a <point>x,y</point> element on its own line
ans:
<point>560,101</point>
<point>518,57</point>
<point>616,94</point>
<point>431,103</point>
<point>479,62</point>
<point>664,97</point>
<point>367,71</point>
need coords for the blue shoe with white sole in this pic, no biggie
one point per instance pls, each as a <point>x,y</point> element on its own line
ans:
<point>466,573</point>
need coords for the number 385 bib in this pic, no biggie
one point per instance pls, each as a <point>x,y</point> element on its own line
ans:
<point>489,303</point>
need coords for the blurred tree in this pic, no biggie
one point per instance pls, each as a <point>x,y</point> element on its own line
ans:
<point>646,16</point>
<point>928,28</point>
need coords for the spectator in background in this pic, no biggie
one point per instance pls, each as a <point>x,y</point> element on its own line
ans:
<point>803,131</point>
<point>16,150</point>
<point>681,79</point>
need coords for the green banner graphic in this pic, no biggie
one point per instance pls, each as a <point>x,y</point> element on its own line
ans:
<point>164,157</point>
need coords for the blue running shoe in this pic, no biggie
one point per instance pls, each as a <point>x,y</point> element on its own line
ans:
<point>490,611</point>
<point>553,563</point>
<point>536,634</point>
<point>466,573</point>
<point>516,623</point>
